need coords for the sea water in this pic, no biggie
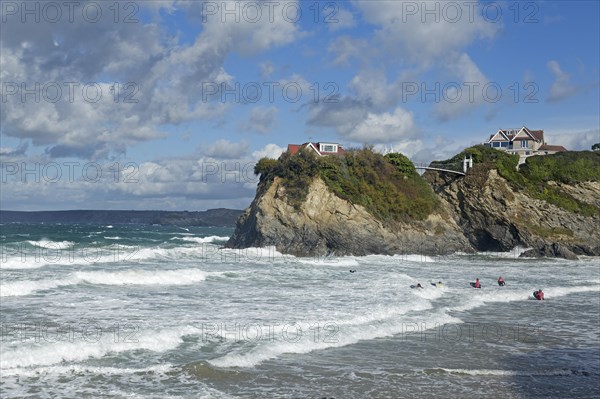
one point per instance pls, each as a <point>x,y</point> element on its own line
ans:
<point>132,311</point>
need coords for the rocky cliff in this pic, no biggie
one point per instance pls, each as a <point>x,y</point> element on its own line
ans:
<point>325,224</point>
<point>481,211</point>
<point>495,217</point>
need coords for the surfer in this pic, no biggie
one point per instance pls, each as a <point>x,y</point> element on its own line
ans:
<point>352,271</point>
<point>539,295</point>
<point>416,286</point>
<point>501,281</point>
<point>477,284</point>
<point>439,284</point>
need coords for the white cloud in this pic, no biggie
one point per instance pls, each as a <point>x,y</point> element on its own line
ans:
<point>340,19</point>
<point>404,34</point>
<point>371,86</point>
<point>168,78</point>
<point>562,87</point>
<point>574,140</point>
<point>272,151</point>
<point>384,127</point>
<point>462,95</point>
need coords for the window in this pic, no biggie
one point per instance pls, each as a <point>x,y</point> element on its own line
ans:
<point>496,144</point>
<point>328,148</point>
<point>527,152</point>
<point>504,144</point>
<point>523,143</point>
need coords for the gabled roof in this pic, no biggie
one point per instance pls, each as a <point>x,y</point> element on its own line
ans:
<point>503,136</point>
<point>537,134</point>
<point>517,134</point>
<point>294,148</point>
<point>523,134</point>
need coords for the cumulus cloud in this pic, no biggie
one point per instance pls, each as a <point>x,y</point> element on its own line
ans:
<point>562,87</point>
<point>424,42</point>
<point>463,94</point>
<point>272,151</point>
<point>574,140</point>
<point>161,80</point>
<point>383,128</point>
<point>353,120</point>
<point>220,175</point>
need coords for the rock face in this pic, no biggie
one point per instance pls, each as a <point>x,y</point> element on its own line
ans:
<point>326,224</point>
<point>479,212</point>
<point>493,217</point>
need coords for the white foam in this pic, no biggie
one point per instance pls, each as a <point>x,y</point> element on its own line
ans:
<point>128,277</point>
<point>330,261</point>
<point>51,245</point>
<point>143,277</point>
<point>202,239</point>
<point>22,262</point>
<point>21,288</point>
<point>82,348</point>
<point>81,369</point>
<point>414,258</point>
<point>68,255</point>
<point>301,338</point>
<point>113,238</point>
<point>482,296</point>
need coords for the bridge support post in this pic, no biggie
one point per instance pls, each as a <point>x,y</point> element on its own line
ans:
<point>467,163</point>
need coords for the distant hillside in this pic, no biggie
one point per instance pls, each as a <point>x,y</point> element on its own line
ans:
<point>211,217</point>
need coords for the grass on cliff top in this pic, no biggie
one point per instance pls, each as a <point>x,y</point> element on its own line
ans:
<point>533,177</point>
<point>387,186</point>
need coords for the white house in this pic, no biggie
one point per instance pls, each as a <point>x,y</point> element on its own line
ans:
<point>321,148</point>
<point>523,142</point>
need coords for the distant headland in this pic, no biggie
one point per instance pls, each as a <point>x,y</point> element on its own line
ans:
<point>211,217</point>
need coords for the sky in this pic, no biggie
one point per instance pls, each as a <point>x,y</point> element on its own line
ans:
<point>168,104</point>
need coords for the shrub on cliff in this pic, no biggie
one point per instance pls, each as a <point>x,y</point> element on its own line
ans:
<point>533,177</point>
<point>388,187</point>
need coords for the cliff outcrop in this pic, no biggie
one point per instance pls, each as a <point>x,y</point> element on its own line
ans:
<point>335,207</point>
<point>495,217</point>
<point>325,224</point>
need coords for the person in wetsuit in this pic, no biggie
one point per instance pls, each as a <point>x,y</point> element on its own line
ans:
<point>539,295</point>
<point>501,281</point>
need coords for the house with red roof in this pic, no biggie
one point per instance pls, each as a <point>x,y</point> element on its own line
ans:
<point>523,142</point>
<point>320,148</point>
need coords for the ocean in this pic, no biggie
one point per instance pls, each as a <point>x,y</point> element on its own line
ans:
<point>128,311</point>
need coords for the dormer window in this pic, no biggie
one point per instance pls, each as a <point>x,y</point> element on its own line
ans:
<point>328,147</point>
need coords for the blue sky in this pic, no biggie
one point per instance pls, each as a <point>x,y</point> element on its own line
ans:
<point>426,78</point>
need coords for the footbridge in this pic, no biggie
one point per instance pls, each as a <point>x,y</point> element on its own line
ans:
<point>441,168</point>
<point>457,168</point>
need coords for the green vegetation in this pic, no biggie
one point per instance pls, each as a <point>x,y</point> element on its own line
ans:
<point>535,176</point>
<point>596,147</point>
<point>387,186</point>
